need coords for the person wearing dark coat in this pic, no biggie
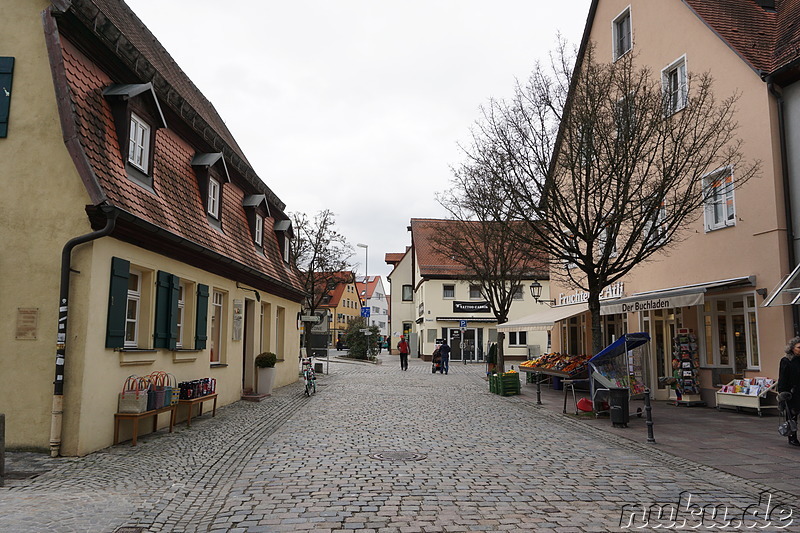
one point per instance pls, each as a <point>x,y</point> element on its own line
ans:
<point>789,384</point>
<point>444,353</point>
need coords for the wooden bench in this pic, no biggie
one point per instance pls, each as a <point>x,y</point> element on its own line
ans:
<point>199,400</point>
<point>118,417</point>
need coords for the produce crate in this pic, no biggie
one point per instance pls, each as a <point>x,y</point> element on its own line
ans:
<point>508,384</point>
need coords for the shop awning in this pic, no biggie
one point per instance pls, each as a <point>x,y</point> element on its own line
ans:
<point>787,292</point>
<point>544,320</point>
<point>684,296</point>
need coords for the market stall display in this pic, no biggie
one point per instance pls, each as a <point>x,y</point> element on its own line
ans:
<point>556,364</point>
<point>752,393</point>
<point>619,366</point>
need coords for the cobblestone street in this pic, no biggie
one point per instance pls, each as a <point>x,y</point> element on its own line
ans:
<point>376,449</point>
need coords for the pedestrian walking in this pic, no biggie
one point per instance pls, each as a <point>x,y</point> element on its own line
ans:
<point>444,353</point>
<point>402,347</point>
<point>789,388</point>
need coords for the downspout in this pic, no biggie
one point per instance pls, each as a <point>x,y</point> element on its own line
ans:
<point>61,341</point>
<point>787,198</point>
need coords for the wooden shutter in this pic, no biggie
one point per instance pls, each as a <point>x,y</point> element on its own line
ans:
<point>6,75</point>
<point>166,324</point>
<point>201,324</point>
<point>117,303</point>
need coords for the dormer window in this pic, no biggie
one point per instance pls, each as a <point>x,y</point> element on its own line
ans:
<point>212,175</point>
<point>259,236</point>
<point>137,115</point>
<point>284,231</point>
<point>139,143</point>
<point>213,197</point>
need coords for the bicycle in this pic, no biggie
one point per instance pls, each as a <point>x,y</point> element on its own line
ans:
<point>309,377</point>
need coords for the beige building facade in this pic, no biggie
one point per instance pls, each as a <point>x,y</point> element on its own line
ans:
<point>715,280</point>
<point>174,252</point>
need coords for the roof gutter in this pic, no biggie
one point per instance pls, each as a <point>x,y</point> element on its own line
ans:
<point>787,199</point>
<point>57,410</point>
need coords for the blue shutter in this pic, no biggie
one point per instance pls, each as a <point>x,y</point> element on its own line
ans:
<point>201,324</point>
<point>117,303</point>
<point>6,75</point>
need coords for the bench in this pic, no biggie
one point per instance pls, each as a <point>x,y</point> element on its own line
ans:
<point>190,403</point>
<point>119,417</point>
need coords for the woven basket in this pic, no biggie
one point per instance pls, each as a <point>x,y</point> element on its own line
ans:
<point>133,398</point>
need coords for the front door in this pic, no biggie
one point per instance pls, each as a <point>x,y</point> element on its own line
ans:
<point>662,335</point>
<point>462,344</point>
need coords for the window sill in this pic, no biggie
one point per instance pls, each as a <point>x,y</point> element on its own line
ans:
<point>219,365</point>
<point>188,355</point>
<point>136,356</point>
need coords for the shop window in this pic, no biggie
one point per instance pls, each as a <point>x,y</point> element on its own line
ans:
<point>518,338</point>
<point>408,293</point>
<point>719,210</point>
<point>448,292</point>
<point>731,333</point>
<point>623,41</point>
<point>675,86</point>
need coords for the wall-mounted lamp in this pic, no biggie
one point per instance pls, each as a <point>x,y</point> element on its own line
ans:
<point>258,296</point>
<point>762,292</point>
<point>536,292</point>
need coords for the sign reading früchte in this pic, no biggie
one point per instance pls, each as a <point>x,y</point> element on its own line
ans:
<point>470,307</point>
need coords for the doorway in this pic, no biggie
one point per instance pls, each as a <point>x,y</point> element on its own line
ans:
<point>662,325</point>
<point>249,346</point>
<point>462,347</point>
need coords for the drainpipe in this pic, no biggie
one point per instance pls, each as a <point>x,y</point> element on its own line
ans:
<point>61,342</point>
<point>787,198</point>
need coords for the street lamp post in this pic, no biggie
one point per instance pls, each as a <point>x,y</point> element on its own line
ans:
<point>366,272</point>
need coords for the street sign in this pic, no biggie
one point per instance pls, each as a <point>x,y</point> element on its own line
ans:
<point>366,331</point>
<point>365,311</point>
<point>309,318</point>
<point>462,323</point>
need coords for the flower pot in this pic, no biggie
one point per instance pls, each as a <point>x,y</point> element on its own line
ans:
<point>266,380</point>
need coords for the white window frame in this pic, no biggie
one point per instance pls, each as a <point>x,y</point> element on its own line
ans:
<point>519,294</point>
<point>409,289</point>
<point>444,292</point>
<point>259,237</point>
<point>675,84</point>
<point>475,288</point>
<point>616,26</point>
<point>711,310</point>
<point>660,231</point>
<point>286,249</point>
<point>139,143</point>
<point>517,338</point>
<point>213,197</point>
<point>721,201</point>
<point>134,295</point>
<point>181,314</point>
<point>217,327</point>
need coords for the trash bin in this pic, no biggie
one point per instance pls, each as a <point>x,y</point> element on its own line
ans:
<point>619,410</point>
<point>318,368</point>
<point>556,383</point>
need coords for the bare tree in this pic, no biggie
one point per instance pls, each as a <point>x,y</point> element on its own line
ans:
<point>603,166</point>
<point>489,258</point>
<point>321,254</point>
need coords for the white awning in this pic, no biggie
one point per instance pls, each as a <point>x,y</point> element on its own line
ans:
<point>684,296</point>
<point>544,320</point>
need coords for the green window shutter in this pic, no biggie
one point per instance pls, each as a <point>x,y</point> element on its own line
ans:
<point>117,303</point>
<point>201,324</point>
<point>6,75</point>
<point>166,324</point>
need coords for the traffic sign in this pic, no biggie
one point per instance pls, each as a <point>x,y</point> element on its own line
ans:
<point>365,330</point>
<point>310,318</point>
<point>365,311</point>
<point>462,323</point>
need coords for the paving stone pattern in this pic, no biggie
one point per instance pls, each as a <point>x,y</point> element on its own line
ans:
<point>291,463</point>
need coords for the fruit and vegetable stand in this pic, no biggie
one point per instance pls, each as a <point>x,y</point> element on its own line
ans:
<point>562,366</point>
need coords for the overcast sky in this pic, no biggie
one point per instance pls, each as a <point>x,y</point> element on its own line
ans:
<point>358,105</point>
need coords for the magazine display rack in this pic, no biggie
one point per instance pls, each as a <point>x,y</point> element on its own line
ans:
<point>752,393</point>
<point>685,351</point>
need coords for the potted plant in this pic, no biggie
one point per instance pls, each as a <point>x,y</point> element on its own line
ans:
<point>265,362</point>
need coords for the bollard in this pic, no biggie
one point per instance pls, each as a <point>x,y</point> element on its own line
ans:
<point>538,388</point>
<point>648,411</point>
<point>2,449</point>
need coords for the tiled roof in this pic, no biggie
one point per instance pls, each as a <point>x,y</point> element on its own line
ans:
<point>372,284</point>
<point>432,261</point>
<point>175,203</point>
<point>392,258</point>
<point>765,39</point>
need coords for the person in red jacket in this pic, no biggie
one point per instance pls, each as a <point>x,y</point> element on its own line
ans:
<point>402,347</point>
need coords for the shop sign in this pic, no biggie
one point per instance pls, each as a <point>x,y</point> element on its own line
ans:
<point>470,307</point>
<point>615,290</point>
<point>653,304</point>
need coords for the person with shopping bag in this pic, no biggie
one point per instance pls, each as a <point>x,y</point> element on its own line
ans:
<point>789,390</point>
